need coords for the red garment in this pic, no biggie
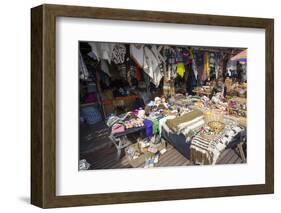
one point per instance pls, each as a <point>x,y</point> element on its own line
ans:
<point>138,72</point>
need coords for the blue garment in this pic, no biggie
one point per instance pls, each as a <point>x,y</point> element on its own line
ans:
<point>148,128</point>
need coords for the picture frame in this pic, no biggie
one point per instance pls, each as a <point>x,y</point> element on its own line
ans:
<point>43,105</point>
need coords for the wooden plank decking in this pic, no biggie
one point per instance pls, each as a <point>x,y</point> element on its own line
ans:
<point>99,151</point>
<point>107,159</point>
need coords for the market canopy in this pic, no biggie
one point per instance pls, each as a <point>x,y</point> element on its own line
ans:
<point>242,56</point>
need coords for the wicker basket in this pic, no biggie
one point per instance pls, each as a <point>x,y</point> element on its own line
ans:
<point>215,120</point>
<point>213,115</point>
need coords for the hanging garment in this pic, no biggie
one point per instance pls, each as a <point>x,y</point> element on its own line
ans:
<point>168,82</point>
<point>212,59</point>
<point>166,85</point>
<point>194,67</point>
<point>131,72</point>
<point>187,58</point>
<point>138,72</point>
<point>199,64</point>
<point>206,65</point>
<point>137,54</point>
<point>84,74</point>
<point>244,73</point>
<point>169,55</point>
<point>93,56</point>
<point>191,81</point>
<point>146,81</point>
<point>179,55</point>
<point>104,67</point>
<point>102,50</point>
<point>104,78</point>
<point>216,64</point>
<point>152,69</point>
<point>129,77</point>
<point>212,69</point>
<point>158,55</point>
<point>151,61</point>
<point>174,73</point>
<point>118,53</point>
<point>231,66</point>
<point>122,71</point>
<point>180,69</point>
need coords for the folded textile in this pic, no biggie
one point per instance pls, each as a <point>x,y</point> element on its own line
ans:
<point>186,129</point>
<point>206,149</point>
<point>196,122</point>
<point>162,122</point>
<point>179,123</point>
<point>165,128</point>
<point>117,128</point>
<point>199,152</point>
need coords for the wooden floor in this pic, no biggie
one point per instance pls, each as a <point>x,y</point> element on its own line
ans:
<point>107,159</point>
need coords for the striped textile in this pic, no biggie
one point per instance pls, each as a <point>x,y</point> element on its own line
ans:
<point>205,149</point>
<point>179,123</point>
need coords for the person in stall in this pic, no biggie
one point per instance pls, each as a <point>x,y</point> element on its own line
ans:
<point>219,89</point>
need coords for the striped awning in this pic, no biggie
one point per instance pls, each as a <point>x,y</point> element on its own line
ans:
<point>242,56</point>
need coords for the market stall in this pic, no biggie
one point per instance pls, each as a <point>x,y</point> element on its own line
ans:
<point>153,96</point>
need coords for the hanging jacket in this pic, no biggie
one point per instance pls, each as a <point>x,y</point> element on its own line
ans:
<point>180,69</point>
<point>137,53</point>
<point>206,65</point>
<point>152,69</point>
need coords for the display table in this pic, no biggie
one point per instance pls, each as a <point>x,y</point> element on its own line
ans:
<point>182,145</point>
<point>121,141</point>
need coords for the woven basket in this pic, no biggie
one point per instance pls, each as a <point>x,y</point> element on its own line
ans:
<point>215,120</point>
<point>213,115</point>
